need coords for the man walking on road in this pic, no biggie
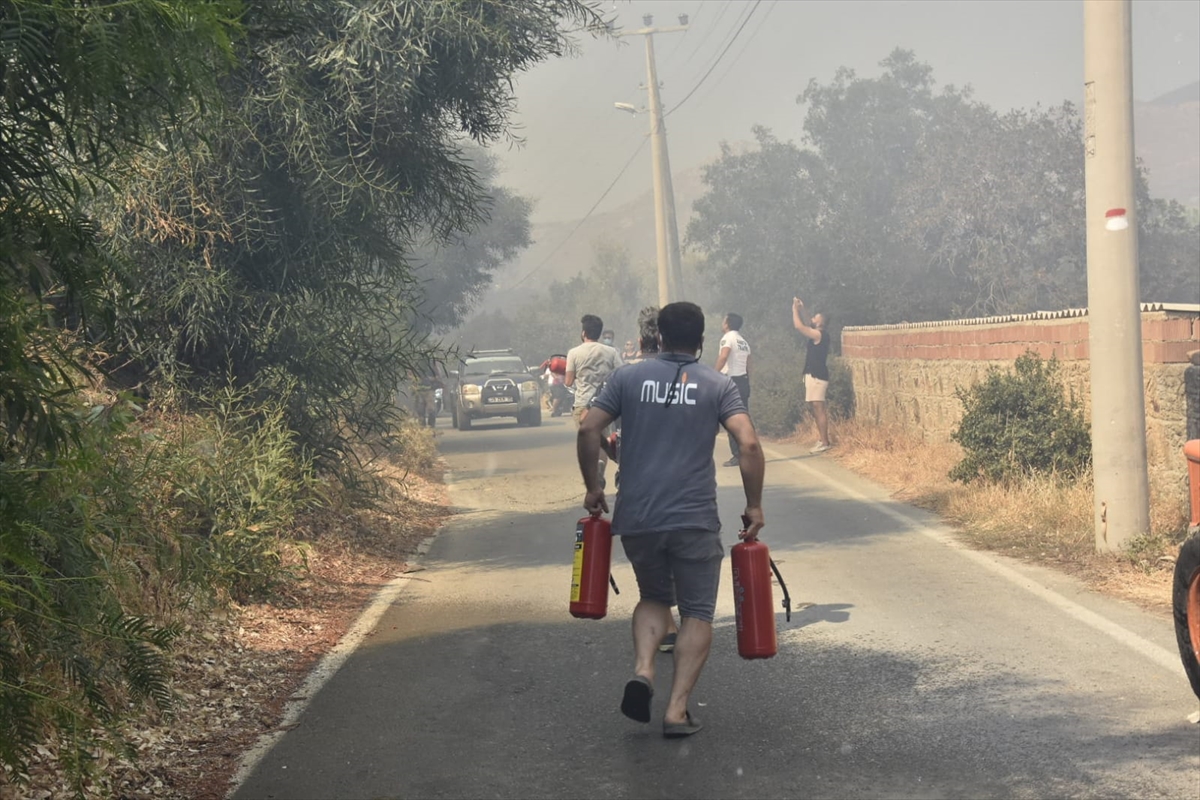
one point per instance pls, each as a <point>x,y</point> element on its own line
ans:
<point>734,361</point>
<point>816,368</point>
<point>588,367</point>
<point>666,512</point>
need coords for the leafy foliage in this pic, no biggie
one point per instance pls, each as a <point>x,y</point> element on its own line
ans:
<point>236,485</point>
<point>912,203</point>
<point>276,248</point>
<point>72,654</point>
<point>453,274</point>
<point>1020,422</point>
<point>755,224</point>
<point>85,84</point>
<point>255,212</point>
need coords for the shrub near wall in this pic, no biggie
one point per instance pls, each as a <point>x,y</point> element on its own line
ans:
<point>1020,422</point>
<point>906,375</point>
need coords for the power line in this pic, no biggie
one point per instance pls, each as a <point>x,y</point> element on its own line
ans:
<point>691,21</point>
<point>749,16</point>
<point>741,52</point>
<point>724,38</point>
<point>579,224</point>
<point>707,33</point>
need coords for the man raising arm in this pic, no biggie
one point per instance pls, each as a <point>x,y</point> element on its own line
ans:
<point>816,369</point>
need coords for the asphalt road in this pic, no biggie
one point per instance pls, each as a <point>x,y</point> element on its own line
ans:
<point>919,669</point>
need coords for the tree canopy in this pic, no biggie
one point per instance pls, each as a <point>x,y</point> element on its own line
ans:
<point>253,214</point>
<point>281,246</point>
<point>906,202</point>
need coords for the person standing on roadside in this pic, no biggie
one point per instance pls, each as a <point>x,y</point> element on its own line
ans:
<point>734,361</point>
<point>588,366</point>
<point>666,512</point>
<point>816,368</point>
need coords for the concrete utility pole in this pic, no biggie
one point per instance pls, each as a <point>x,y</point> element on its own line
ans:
<point>670,270</point>
<point>1122,491</point>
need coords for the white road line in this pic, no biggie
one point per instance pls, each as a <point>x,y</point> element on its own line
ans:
<point>1159,655</point>
<point>329,664</point>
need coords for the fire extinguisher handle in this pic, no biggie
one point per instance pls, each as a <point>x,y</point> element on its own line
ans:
<point>787,599</point>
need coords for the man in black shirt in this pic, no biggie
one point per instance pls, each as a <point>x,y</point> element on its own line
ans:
<point>816,370</point>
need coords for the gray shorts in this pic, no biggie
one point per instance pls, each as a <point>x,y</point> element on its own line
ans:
<point>682,566</point>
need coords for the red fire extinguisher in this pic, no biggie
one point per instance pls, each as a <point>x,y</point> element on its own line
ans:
<point>591,575</point>
<point>753,600</point>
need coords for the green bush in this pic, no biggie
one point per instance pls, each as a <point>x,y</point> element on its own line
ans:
<point>107,536</point>
<point>76,651</point>
<point>237,484</point>
<point>1020,422</point>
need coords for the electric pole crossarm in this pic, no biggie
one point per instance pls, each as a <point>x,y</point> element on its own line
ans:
<point>651,31</point>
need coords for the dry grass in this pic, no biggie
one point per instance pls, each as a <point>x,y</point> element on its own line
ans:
<point>1038,519</point>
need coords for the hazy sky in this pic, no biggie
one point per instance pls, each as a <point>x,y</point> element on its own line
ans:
<point>1015,53</point>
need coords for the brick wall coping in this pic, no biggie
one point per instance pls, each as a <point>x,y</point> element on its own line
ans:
<point>1066,313</point>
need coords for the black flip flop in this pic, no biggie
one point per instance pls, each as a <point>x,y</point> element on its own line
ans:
<point>636,702</point>
<point>678,730</point>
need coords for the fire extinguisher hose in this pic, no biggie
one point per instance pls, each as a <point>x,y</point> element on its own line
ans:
<point>787,599</point>
<point>613,581</point>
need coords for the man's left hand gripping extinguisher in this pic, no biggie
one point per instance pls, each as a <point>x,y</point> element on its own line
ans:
<point>591,574</point>
<point>753,600</point>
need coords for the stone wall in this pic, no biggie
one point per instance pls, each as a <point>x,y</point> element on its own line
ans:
<point>906,374</point>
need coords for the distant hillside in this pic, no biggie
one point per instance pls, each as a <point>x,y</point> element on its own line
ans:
<point>1167,139</point>
<point>1186,94</point>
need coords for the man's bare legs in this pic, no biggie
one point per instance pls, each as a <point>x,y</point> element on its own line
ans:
<point>822,419</point>
<point>691,652</point>
<point>650,623</point>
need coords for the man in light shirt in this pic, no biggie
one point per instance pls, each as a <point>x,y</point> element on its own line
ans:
<point>588,366</point>
<point>734,361</point>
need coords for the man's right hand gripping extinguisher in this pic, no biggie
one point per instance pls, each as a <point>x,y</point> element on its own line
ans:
<point>753,600</point>
<point>591,573</point>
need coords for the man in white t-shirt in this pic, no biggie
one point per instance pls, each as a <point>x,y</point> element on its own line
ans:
<point>734,361</point>
<point>588,367</point>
